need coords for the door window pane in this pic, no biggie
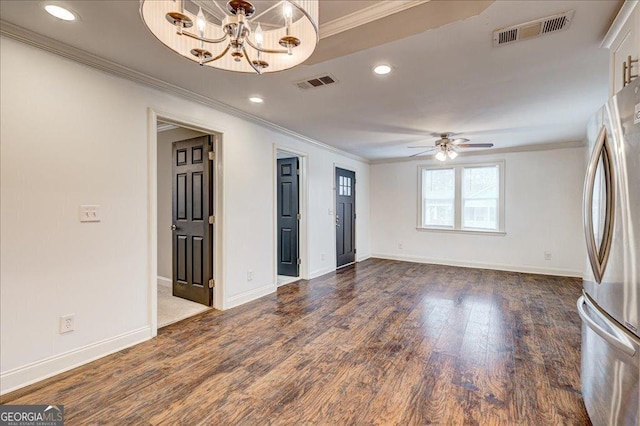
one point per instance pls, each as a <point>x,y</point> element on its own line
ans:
<point>480,197</point>
<point>438,197</point>
<point>344,186</point>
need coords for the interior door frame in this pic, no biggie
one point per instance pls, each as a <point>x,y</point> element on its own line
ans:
<point>335,207</point>
<point>303,200</point>
<point>153,116</point>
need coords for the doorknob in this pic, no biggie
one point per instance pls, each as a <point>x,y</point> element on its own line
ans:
<point>173,227</point>
<point>337,220</point>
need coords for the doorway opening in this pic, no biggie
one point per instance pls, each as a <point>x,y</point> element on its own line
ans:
<point>185,195</point>
<point>290,216</point>
<point>345,185</point>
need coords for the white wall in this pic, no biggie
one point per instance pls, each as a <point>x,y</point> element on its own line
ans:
<point>165,190</point>
<point>73,135</point>
<point>543,196</point>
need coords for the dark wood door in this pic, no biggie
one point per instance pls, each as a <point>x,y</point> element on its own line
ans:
<point>345,217</point>
<point>192,233</point>
<point>288,219</point>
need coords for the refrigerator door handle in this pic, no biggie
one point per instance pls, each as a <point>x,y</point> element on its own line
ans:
<point>615,338</point>
<point>598,257</point>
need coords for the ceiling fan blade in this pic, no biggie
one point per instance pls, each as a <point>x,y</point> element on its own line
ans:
<point>474,145</point>
<point>422,152</point>
<point>422,146</point>
<point>459,141</point>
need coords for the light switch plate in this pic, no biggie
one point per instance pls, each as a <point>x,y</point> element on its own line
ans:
<point>90,213</point>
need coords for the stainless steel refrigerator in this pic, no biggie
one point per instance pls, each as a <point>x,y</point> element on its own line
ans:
<point>610,303</point>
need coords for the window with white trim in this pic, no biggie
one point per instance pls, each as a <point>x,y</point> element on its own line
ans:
<point>465,197</point>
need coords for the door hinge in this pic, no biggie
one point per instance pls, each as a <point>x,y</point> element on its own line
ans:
<point>212,155</point>
<point>298,216</point>
<point>299,261</point>
<point>212,284</point>
<point>355,251</point>
<point>212,220</point>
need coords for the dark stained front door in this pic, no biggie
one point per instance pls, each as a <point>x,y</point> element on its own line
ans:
<point>288,209</point>
<point>192,233</point>
<point>345,217</point>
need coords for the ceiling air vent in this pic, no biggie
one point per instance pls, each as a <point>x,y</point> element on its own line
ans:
<point>319,81</point>
<point>532,29</point>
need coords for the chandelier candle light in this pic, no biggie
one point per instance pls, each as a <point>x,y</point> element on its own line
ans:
<point>234,35</point>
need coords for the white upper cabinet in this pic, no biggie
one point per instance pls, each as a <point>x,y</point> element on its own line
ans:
<point>623,40</point>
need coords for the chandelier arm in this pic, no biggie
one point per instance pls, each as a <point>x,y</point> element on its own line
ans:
<point>260,49</point>
<point>224,52</point>
<point>256,69</point>
<point>255,18</point>
<point>206,40</point>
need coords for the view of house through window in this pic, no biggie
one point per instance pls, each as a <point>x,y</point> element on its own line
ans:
<point>439,197</point>
<point>462,197</point>
<point>480,197</point>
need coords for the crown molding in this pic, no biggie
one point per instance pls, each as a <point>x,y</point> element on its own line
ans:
<point>64,50</point>
<point>510,150</point>
<point>83,57</point>
<point>621,18</point>
<point>372,13</point>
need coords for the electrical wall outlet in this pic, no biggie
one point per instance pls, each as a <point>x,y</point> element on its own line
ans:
<point>323,257</point>
<point>90,213</point>
<point>400,246</point>
<point>249,275</point>
<point>547,255</point>
<point>67,323</point>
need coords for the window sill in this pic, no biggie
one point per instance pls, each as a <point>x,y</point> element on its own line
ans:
<point>464,231</point>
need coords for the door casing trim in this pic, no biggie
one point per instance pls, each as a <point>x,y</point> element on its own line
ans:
<point>153,115</point>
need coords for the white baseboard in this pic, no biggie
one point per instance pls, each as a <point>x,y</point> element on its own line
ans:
<point>482,265</point>
<point>320,272</point>
<point>167,282</point>
<point>250,295</point>
<point>31,373</point>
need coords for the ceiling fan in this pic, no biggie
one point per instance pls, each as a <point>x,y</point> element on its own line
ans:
<point>446,146</point>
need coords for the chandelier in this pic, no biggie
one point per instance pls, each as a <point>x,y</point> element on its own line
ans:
<point>234,35</point>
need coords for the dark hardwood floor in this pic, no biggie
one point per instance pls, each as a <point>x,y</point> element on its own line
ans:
<point>383,342</point>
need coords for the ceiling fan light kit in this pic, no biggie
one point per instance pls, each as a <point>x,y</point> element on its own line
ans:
<point>236,36</point>
<point>446,147</point>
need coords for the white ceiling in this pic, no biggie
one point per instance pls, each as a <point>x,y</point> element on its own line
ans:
<point>449,78</point>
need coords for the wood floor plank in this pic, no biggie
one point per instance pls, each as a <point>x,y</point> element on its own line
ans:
<point>379,343</point>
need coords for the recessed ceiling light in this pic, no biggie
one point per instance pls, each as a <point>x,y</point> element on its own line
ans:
<point>60,12</point>
<point>382,69</point>
<point>256,100</point>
